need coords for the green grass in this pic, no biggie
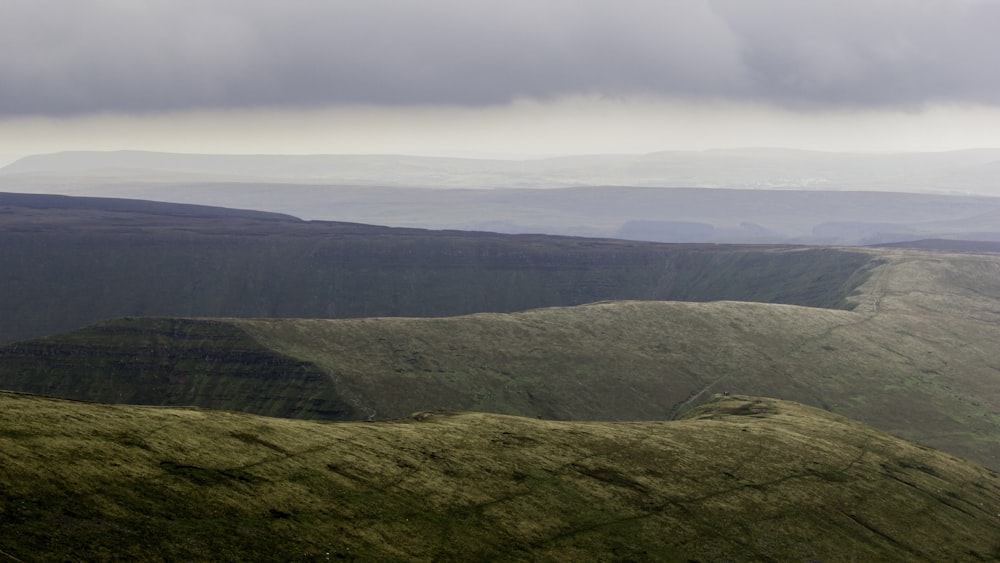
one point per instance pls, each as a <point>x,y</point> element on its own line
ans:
<point>920,367</point>
<point>738,478</point>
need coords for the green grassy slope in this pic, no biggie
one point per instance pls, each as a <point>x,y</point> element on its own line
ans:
<point>738,479</point>
<point>66,267</point>
<point>916,357</point>
<point>612,361</point>
<point>924,366</point>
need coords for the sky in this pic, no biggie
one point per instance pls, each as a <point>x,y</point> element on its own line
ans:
<point>515,79</point>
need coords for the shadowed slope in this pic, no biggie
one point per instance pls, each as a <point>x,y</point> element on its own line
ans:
<point>916,358</point>
<point>80,261</point>
<point>181,362</point>
<point>739,478</point>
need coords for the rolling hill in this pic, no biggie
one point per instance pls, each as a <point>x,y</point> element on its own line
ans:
<point>914,355</point>
<point>738,478</point>
<point>69,262</point>
<point>542,370</point>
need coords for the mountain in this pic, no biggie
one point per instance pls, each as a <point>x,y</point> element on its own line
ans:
<point>69,262</point>
<point>913,353</point>
<point>737,196</point>
<point>739,478</point>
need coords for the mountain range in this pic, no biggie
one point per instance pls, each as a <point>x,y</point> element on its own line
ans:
<point>197,382</point>
<point>756,196</point>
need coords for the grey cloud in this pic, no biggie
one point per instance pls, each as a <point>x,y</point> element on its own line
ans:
<point>885,52</point>
<point>60,57</point>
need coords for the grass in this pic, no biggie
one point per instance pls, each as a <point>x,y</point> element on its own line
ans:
<point>171,361</point>
<point>67,268</point>
<point>920,365</point>
<point>739,478</point>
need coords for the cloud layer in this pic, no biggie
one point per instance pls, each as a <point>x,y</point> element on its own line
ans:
<point>69,57</point>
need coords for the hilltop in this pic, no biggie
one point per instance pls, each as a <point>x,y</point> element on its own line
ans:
<point>739,478</point>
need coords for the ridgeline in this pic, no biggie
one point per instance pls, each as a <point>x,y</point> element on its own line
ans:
<point>518,449</point>
<point>914,356</point>
<point>70,262</point>
<point>739,478</point>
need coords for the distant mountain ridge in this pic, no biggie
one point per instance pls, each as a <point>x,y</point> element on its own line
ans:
<point>972,171</point>
<point>763,196</point>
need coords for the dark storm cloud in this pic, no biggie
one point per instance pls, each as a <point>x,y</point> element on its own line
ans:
<point>80,56</point>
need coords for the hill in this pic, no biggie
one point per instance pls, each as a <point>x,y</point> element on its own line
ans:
<point>914,356</point>
<point>69,262</point>
<point>739,478</point>
<point>19,209</point>
<point>761,196</point>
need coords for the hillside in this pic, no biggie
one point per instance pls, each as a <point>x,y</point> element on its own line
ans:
<point>70,262</point>
<point>915,356</point>
<point>739,478</point>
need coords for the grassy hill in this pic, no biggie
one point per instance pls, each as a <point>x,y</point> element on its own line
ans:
<point>70,262</point>
<point>915,356</point>
<point>739,478</point>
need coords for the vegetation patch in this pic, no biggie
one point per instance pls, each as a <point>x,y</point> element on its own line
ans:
<point>913,356</point>
<point>797,484</point>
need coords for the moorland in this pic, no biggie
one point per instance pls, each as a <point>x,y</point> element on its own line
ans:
<point>74,261</point>
<point>738,478</point>
<point>910,352</point>
<point>336,390</point>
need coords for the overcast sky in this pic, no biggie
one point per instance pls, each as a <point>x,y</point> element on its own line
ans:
<point>539,77</point>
